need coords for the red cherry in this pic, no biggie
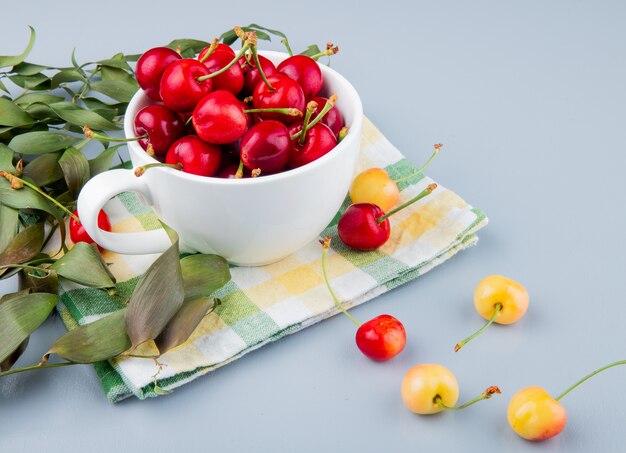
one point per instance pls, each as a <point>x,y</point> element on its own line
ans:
<point>195,155</point>
<point>319,140</point>
<point>252,76</point>
<point>305,71</point>
<point>219,118</point>
<point>231,80</point>
<point>230,171</point>
<point>180,90</point>
<point>77,230</point>
<point>266,146</point>
<point>358,227</point>
<point>381,338</point>
<point>150,68</point>
<point>286,94</point>
<point>162,126</point>
<point>221,47</point>
<point>332,119</point>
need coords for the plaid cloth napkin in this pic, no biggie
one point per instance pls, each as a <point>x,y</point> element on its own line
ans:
<point>264,304</point>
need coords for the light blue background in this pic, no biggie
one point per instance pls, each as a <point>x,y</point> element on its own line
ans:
<point>529,100</point>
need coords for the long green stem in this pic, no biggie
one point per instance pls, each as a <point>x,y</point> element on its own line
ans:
<point>423,167</point>
<point>590,375</point>
<point>257,62</point>
<point>36,367</point>
<point>227,67</point>
<point>497,309</point>
<point>139,171</point>
<point>330,103</point>
<point>326,245</point>
<point>284,110</point>
<point>427,191</point>
<point>48,197</point>
<point>483,396</point>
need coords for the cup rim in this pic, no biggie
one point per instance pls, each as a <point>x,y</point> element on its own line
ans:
<point>350,139</point>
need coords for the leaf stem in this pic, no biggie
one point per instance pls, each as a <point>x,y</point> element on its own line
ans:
<point>48,197</point>
<point>497,309</point>
<point>488,393</point>
<point>423,167</point>
<point>326,245</point>
<point>285,42</point>
<point>590,375</point>
<point>427,191</point>
<point>37,367</point>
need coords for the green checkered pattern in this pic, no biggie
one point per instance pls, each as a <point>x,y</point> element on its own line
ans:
<point>264,304</point>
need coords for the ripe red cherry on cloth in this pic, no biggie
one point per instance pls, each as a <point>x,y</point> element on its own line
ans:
<point>332,118</point>
<point>252,76</point>
<point>219,118</point>
<point>266,146</point>
<point>318,141</point>
<point>381,338</point>
<point>179,88</point>
<point>195,156</point>
<point>162,127</point>
<point>359,228</point>
<point>232,80</point>
<point>285,93</point>
<point>305,71</point>
<point>77,230</point>
<point>150,68</point>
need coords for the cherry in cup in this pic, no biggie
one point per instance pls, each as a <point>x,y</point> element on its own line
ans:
<point>332,118</point>
<point>232,79</point>
<point>251,74</point>
<point>266,147</point>
<point>281,92</point>
<point>305,71</point>
<point>159,127</point>
<point>193,155</point>
<point>150,68</point>
<point>180,88</point>
<point>78,232</point>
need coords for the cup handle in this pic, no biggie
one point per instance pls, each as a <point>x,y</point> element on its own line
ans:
<point>96,193</point>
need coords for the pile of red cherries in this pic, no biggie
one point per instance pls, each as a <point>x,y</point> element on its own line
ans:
<point>233,115</point>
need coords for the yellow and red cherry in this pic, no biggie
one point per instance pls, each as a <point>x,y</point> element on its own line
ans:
<point>180,90</point>
<point>193,155</point>
<point>150,68</point>
<point>305,71</point>
<point>282,92</point>
<point>380,338</point>
<point>430,388</point>
<point>332,118</point>
<point>159,127</point>
<point>364,226</point>
<point>232,79</point>
<point>535,415</point>
<point>266,147</point>
<point>78,232</point>
<point>498,299</point>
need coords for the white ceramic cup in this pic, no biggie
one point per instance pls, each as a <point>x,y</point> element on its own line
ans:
<point>250,222</point>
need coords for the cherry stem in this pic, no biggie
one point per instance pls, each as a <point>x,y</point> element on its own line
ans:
<point>326,245</point>
<point>590,375</point>
<point>104,138</point>
<point>488,393</point>
<point>423,167</point>
<point>330,103</point>
<point>331,49</point>
<point>257,62</point>
<point>239,173</point>
<point>227,67</point>
<point>342,133</point>
<point>497,309</point>
<point>139,171</point>
<point>427,191</point>
<point>211,49</point>
<point>310,110</point>
<point>36,367</point>
<point>285,42</point>
<point>286,110</point>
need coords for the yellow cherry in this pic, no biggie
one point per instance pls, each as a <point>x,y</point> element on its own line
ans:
<point>423,384</point>
<point>535,415</point>
<point>498,299</point>
<point>375,186</point>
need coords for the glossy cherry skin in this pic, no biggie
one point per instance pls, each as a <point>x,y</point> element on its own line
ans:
<point>232,79</point>
<point>162,126</point>
<point>358,227</point>
<point>220,47</point>
<point>252,76</point>
<point>332,119</point>
<point>319,141</point>
<point>305,71</point>
<point>77,230</point>
<point>150,68</point>
<point>266,146</point>
<point>180,90</point>
<point>196,156</point>
<point>219,118</point>
<point>287,94</point>
<point>381,338</point>
<point>534,415</point>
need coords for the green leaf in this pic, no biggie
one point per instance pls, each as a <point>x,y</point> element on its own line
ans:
<point>103,161</point>
<point>24,246</point>
<point>83,265</point>
<point>119,63</point>
<point>184,322</point>
<point>75,169</point>
<point>192,45</point>
<point>79,116</point>
<point>31,98</point>
<point>157,297</point>
<point>46,281</point>
<point>274,32</point>
<point>20,316</point>
<point>33,82</point>
<point>9,223</point>
<point>203,275</point>
<point>313,49</point>
<point>28,69</point>
<point>67,75</point>
<point>6,159</point>
<point>42,142</point>
<point>12,115</point>
<point>229,36</point>
<point>7,363</point>
<point>45,169</point>
<point>119,90</point>
<point>17,59</point>
<point>3,87</point>
<point>100,340</point>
